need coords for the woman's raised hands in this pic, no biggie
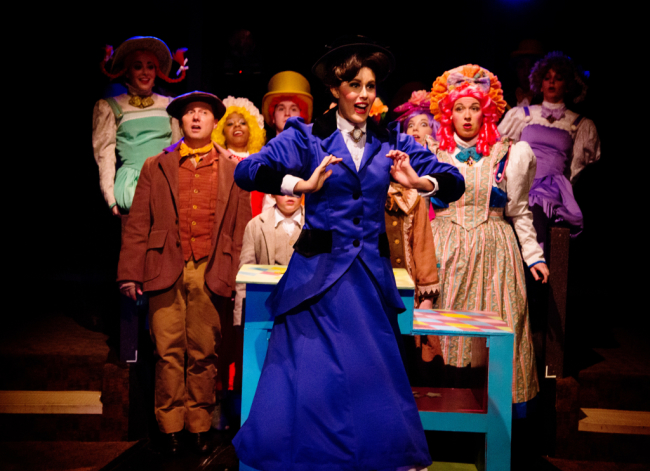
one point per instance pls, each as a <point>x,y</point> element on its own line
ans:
<point>317,178</point>
<point>404,174</point>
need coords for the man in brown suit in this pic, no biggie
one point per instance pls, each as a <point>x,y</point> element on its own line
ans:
<point>181,245</point>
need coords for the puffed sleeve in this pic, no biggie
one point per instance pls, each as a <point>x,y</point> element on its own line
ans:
<point>104,132</point>
<point>286,154</point>
<point>513,123</point>
<point>586,147</point>
<point>519,176</point>
<point>177,134</point>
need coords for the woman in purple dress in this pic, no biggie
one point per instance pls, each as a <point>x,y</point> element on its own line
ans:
<point>563,142</point>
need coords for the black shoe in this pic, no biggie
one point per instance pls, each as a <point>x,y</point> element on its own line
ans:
<point>171,443</point>
<point>199,442</point>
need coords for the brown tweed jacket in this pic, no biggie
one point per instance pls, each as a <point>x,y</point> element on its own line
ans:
<point>151,250</point>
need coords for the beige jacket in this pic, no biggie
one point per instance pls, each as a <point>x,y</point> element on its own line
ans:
<point>258,248</point>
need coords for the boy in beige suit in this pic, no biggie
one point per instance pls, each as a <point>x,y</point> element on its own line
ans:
<point>269,239</point>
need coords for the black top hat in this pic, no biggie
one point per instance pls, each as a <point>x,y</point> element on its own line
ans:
<point>177,105</point>
<point>343,47</point>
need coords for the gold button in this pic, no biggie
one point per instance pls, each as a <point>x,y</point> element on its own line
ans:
<point>194,223</point>
<point>196,175</point>
<point>196,191</point>
<point>397,241</point>
<point>193,239</point>
<point>399,260</point>
<point>394,223</point>
<point>195,207</point>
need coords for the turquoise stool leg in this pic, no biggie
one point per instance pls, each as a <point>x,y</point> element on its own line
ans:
<point>499,413</point>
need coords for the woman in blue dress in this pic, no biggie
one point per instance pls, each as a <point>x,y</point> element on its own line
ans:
<point>333,393</point>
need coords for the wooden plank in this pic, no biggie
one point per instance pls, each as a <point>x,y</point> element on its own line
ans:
<point>50,402</point>
<point>442,466</point>
<point>615,421</point>
<point>558,265</point>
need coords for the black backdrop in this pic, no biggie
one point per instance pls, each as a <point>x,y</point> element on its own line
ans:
<point>71,233</point>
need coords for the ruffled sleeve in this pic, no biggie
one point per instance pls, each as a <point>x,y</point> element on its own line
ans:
<point>586,147</point>
<point>104,132</point>
<point>513,123</point>
<point>177,134</point>
<point>520,173</point>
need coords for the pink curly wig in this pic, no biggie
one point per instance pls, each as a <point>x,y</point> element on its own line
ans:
<point>488,134</point>
<point>477,83</point>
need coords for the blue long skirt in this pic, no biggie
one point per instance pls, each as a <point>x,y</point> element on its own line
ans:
<point>333,394</point>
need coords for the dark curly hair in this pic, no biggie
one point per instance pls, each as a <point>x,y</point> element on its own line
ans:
<point>343,69</point>
<point>563,65</point>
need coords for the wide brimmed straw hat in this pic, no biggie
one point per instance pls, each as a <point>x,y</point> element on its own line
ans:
<point>143,43</point>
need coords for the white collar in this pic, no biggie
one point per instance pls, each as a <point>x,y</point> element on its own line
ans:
<point>553,106</point>
<point>296,217</point>
<point>346,126</point>
<point>239,154</point>
<point>462,143</point>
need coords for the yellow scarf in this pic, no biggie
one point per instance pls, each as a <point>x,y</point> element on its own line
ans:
<point>186,150</point>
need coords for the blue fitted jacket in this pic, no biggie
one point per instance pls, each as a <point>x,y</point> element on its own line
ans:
<point>344,219</point>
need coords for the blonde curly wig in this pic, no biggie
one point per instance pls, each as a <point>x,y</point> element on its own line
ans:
<point>253,118</point>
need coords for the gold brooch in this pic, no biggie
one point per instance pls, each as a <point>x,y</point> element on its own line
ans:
<point>356,134</point>
<point>141,102</point>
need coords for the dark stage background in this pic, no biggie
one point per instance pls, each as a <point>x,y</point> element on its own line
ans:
<point>73,239</point>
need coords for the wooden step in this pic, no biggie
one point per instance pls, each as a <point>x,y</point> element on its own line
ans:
<point>615,421</point>
<point>51,402</point>
<point>444,466</point>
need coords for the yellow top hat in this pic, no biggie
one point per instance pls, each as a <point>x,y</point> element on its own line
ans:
<point>288,83</point>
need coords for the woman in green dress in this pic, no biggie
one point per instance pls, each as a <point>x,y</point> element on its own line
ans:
<point>129,128</point>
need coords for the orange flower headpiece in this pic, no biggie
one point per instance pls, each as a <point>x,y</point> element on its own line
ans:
<point>463,77</point>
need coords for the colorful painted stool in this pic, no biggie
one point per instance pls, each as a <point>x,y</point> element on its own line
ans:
<point>484,408</point>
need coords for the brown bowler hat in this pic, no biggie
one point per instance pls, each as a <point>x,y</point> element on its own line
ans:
<point>177,105</point>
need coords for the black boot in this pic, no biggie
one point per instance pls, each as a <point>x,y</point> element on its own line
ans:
<point>170,443</point>
<point>199,443</point>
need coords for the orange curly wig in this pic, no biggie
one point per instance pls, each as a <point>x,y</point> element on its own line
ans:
<point>440,91</point>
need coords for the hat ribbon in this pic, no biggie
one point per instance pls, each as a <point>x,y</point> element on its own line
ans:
<point>457,79</point>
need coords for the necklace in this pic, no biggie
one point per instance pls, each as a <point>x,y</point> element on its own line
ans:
<point>141,101</point>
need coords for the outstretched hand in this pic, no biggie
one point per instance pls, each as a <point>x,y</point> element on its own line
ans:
<point>317,178</point>
<point>540,272</point>
<point>404,174</point>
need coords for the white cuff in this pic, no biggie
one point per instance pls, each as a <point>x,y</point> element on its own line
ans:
<point>435,187</point>
<point>289,182</point>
